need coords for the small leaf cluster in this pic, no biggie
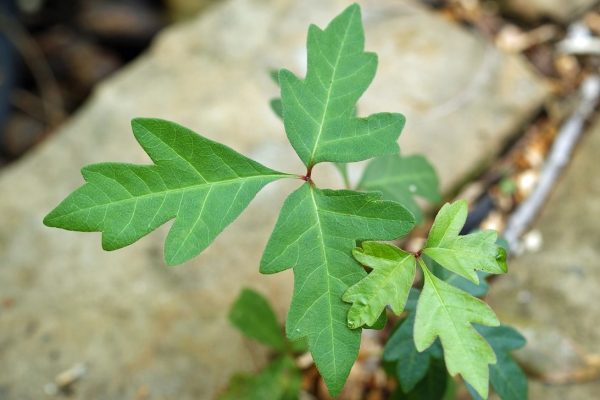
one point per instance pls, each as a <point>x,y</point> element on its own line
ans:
<point>420,376</point>
<point>443,310</point>
<point>417,372</point>
<point>281,378</point>
<point>204,186</point>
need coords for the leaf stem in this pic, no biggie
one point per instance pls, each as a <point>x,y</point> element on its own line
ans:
<point>347,182</point>
<point>343,170</point>
<point>307,177</point>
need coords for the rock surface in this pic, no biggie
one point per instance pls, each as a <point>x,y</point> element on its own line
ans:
<point>144,329</point>
<point>551,296</point>
<point>559,10</point>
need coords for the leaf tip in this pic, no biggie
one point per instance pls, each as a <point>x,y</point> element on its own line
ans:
<point>462,203</point>
<point>358,251</point>
<point>266,266</point>
<point>49,219</point>
<point>285,76</point>
<point>173,257</point>
<point>138,122</point>
<point>109,243</point>
<point>422,345</point>
<point>335,388</point>
<point>352,324</point>
<point>481,389</point>
<point>353,8</point>
<point>274,74</point>
<point>472,276</point>
<point>141,125</point>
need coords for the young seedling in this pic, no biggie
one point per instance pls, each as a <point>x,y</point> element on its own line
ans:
<point>205,186</point>
<point>281,379</point>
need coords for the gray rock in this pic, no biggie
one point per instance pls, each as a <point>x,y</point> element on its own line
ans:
<point>143,328</point>
<point>558,10</point>
<point>551,296</point>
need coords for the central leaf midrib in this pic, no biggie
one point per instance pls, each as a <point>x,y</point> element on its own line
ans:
<point>324,252</point>
<point>387,272</point>
<point>440,243</point>
<point>353,215</point>
<point>166,192</point>
<point>328,98</point>
<point>458,268</point>
<point>443,304</point>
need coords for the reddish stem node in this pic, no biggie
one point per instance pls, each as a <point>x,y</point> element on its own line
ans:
<point>308,174</point>
<point>309,171</point>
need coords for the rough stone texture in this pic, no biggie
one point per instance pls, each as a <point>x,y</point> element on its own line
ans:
<point>551,296</point>
<point>559,10</point>
<point>144,328</point>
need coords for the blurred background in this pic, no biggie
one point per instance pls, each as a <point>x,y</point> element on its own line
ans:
<point>501,96</point>
<point>55,52</point>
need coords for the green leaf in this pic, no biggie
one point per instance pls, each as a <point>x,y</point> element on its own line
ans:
<point>315,234</point>
<point>280,380</point>
<point>412,365</point>
<point>477,290</point>
<point>463,254</point>
<point>277,107</point>
<point>451,390</point>
<point>203,184</point>
<point>402,179</point>
<point>503,338</point>
<point>446,312</point>
<point>299,345</point>
<point>252,314</point>
<point>431,387</point>
<point>274,74</point>
<point>379,323</point>
<point>389,282</point>
<point>506,377</point>
<point>276,102</point>
<point>413,299</point>
<point>319,110</point>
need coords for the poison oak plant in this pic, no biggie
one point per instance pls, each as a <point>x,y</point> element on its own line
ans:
<point>205,185</point>
<point>281,379</point>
